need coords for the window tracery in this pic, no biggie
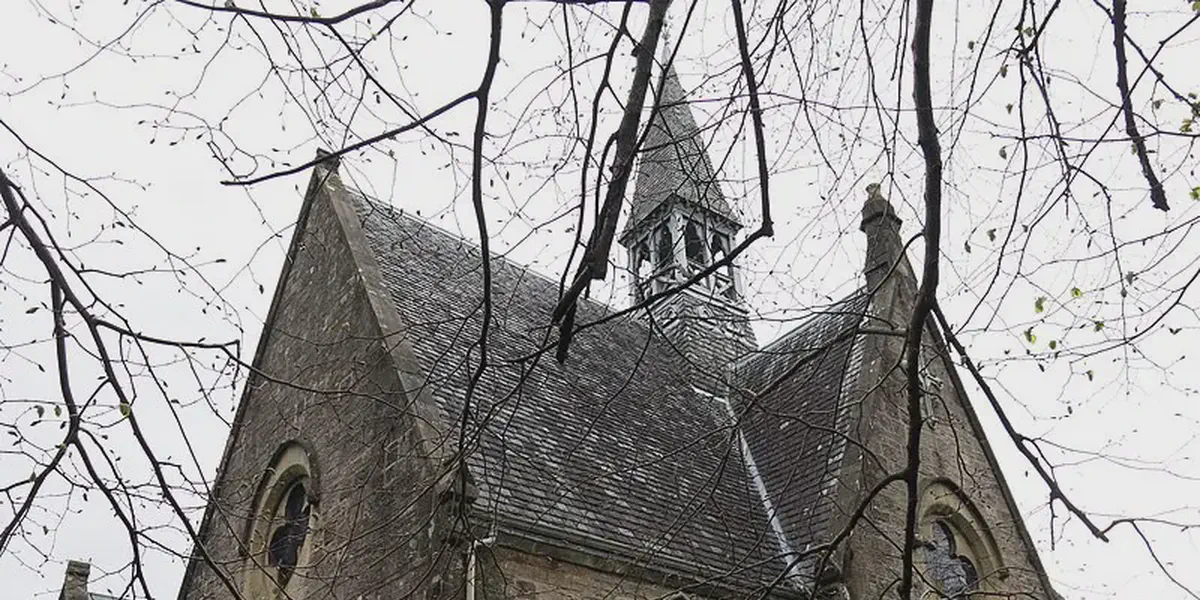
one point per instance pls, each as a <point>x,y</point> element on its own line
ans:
<point>723,281</point>
<point>290,529</point>
<point>955,572</point>
<point>960,558</point>
<point>281,533</point>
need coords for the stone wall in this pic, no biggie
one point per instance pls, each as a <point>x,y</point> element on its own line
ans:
<point>954,455</point>
<point>508,574</point>
<point>336,379</point>
<point>329,383</point>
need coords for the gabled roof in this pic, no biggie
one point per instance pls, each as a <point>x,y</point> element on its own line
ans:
<point>794,399</point>
<point>674,161</point>
<point>613,453</point>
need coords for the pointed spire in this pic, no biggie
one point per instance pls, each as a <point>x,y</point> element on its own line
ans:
<point>674,160</point>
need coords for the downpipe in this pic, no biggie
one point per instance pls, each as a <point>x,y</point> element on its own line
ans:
<point>472,557</point>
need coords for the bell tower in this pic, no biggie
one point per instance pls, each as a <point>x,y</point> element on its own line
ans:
<point>680,224</point>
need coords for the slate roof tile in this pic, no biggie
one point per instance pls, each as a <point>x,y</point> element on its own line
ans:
<point>674,160</point>
<point>795,409</point>
<point>615,451</point>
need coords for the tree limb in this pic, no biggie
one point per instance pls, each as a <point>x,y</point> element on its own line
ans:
<point>594,263</point>
<point>1018,439</point>
<point>1157,196</point>
<point>927,138</point>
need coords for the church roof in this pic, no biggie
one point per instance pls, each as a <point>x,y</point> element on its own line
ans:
<point>795,415</point>
<point>674,160</point>
<point>615,453</point>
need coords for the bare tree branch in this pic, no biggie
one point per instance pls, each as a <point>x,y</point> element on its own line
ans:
<point>1157,196</point>
<point>926,299</point>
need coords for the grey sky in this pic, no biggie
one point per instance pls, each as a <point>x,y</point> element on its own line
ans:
<point>1123,422</point>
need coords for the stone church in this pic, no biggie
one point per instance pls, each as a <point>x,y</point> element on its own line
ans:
<point>669,456</point>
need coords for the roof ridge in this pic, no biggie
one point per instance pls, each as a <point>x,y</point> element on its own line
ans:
<point>804,323</point>
<point>475,246</point>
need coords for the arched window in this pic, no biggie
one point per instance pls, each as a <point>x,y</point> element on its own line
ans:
<point>723,280</point>
<point>960,558</point>
<point>955,572</point>
<point>289,530</point>
<point>280,534</point>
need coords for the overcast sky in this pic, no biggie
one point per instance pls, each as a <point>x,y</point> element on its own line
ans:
<point>1122,422</point>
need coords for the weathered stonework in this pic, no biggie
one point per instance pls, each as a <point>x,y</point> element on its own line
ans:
<point>75,581</point>
<point>327,380</point>
<point>954,453</point>
<point>516,575</point>
<point>395,514</point>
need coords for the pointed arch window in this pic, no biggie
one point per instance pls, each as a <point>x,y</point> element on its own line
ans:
<point>959,556</point>
<point>723,280</point>
<point>280,536</point>
<point>290,529</point>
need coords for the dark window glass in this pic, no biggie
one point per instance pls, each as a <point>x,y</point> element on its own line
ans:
<point>724,277</point>
<point>693,244</point>
<point>291,527</point>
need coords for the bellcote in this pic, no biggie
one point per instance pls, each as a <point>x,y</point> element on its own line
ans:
<point>675,242</point>
<point>680,222</point>
<point>679,225</point>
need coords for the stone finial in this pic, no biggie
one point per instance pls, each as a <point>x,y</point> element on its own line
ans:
<point>75,582</point>
<point>877,207</point>
<point>327,161</point>
<point>882,226</point>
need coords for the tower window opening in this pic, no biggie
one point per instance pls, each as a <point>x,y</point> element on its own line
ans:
<point>641,269</point>
<point>723,280</point>
<point>663,250</point>
<point>694,246</point>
